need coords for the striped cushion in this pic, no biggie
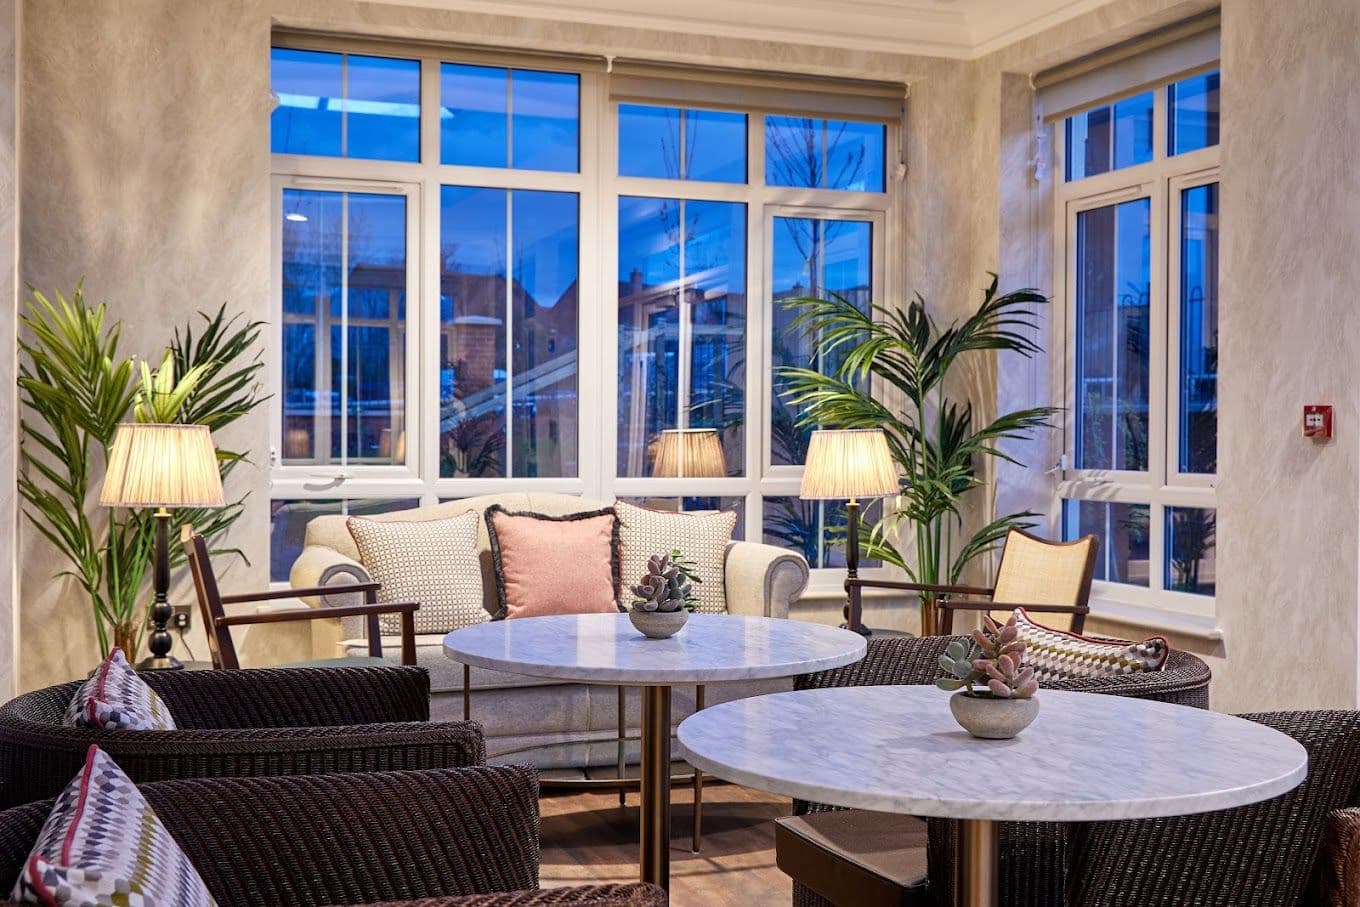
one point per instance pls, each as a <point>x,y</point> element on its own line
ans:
<point>116,699</point>
<point>1056,655</point>
<point>103,845</point>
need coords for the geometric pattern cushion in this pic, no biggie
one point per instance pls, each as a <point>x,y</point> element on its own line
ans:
<point>701,537</point>
<point>102,845</point>
<point>432,562</point>
<point>1056,655</point>
<point>116,699</point>
<point>548,564</point>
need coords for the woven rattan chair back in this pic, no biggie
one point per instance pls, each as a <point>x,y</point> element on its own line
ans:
<point>1037,571</point>
<point>221,647</point>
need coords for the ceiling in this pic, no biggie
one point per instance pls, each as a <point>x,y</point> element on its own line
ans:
<point>951,28</point>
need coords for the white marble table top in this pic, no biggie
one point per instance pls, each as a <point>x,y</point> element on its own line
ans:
<point>1085,758</point>
<point>605,648</point>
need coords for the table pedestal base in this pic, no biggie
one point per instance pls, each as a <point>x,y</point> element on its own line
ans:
<point>655,858</point>
<point>977,869</point>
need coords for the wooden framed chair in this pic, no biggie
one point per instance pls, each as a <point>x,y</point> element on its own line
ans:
<point>217,623</point>
<point>1036,574</point>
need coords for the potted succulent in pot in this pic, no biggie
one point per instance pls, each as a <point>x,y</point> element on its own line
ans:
<point>664,596</point>
<point>995,688</point>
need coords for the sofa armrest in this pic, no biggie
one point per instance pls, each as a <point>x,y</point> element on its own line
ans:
<point>762,580</point>
<point>320,566</point>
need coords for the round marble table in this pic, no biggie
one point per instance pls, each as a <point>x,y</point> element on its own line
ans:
<point>606,649</point>
<point>1085,758</point>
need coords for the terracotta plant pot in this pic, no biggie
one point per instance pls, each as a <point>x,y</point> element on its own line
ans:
<point>658,624</point>
<point>991,718</point>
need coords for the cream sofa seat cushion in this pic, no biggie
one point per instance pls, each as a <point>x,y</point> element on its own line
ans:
<point>329,531</point>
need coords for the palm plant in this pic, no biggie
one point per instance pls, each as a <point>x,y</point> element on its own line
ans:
<point>934,441</point>
<point>76,387</point>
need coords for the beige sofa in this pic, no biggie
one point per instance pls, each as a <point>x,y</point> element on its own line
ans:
<point>549,723</point>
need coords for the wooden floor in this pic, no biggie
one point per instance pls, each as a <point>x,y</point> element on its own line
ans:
<point>588,837</point>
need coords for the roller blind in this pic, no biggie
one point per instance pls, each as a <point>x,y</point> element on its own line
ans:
<point>1129,68</point>
<point>698,87</point>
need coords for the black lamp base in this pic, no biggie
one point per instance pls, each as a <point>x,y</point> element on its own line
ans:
<point>160,663</point>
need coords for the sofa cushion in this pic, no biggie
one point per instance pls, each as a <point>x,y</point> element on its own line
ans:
<point>116,699</point>
<point>103,844</point>
<point>855,856</point>
<point>701,537</point>
<point>554,564</point>
<point>1058,655</point>
<point>446,675</point>
<point>433,563</point>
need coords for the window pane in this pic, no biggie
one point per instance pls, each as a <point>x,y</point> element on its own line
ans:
<point>473,115</point>
<point>377,97</point>
<point>698,505</point>
<point>824,154</point>
<point>383,109</point>
<point>812,258</point>
<point>288,525</point>
<point>1192,105</point>
<point>1113,277</point>
<point>344,353</point>
<point>310,88</point>
<point>1190,549</point>
<point>1122,530</point>
<point>547,115</point>
<point>653,141</point>
<point>815,529</point>
<point>490,116</point>
<point>680,365</point>
<point>538,302</point>
<point>1110,138</point>
<point>543,387</point>
<point>472,302</point>
<point>1199,330</point>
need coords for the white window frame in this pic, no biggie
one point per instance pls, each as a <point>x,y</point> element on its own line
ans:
<point>1160,180</point>
<point>598,188</point>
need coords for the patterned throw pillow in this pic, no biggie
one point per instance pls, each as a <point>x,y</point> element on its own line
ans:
<point>433,562</point>
<point>1056,655</point>
<point>103,845</point>
<point>554,564</point>
<point>116,699</point>
<point>701,537</point>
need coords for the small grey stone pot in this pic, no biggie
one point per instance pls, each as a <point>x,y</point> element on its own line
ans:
<point>991,718</point>
<point>658,624</point>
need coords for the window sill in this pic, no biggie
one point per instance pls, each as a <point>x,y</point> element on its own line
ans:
<point>1151,618</point>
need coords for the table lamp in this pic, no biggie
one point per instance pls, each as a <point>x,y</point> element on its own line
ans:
<point>162,466</point>
<point>849,465</point>
<point>690,453</point>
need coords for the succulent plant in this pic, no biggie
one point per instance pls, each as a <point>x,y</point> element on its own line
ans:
<point>994,660</point>
<point>668,584</point>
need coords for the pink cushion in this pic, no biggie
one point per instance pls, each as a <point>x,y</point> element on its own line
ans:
<point>554,564</point>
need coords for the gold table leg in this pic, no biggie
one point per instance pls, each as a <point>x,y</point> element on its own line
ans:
<point>655,832</point>
<point>977,867</point>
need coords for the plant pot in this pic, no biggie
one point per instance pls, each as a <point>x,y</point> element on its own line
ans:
<point>992,718</point>
<point>658,624</point>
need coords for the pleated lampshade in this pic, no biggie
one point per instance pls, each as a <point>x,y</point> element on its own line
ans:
<point>689,453</point>
<point>848,464</point>
<point>162,466</point>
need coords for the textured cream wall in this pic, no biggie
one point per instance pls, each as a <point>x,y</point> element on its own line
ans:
<point>9,239</point>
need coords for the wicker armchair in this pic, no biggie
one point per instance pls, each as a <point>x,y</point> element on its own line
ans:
<point>264,721</point>
<point>461,837</point>
<point>1033,855</point>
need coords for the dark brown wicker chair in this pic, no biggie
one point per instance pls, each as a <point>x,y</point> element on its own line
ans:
<point>827,856</point>
<point>262,721</point>
<point>461,837</point>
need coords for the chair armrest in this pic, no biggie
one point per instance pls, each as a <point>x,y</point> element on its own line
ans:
<point>270,595</point>
<point>886,661</point>
<point>272,617</point>
<point>1336,873</point>
<point>762,580</point>
<point>294,697</point>
<point>953,604</point>
<point>916,587</point>
<point>635,894</point>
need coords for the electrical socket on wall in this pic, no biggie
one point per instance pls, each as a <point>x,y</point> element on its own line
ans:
<point>181,617</point>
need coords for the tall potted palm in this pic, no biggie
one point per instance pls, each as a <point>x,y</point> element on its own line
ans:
<point>870,355</point>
